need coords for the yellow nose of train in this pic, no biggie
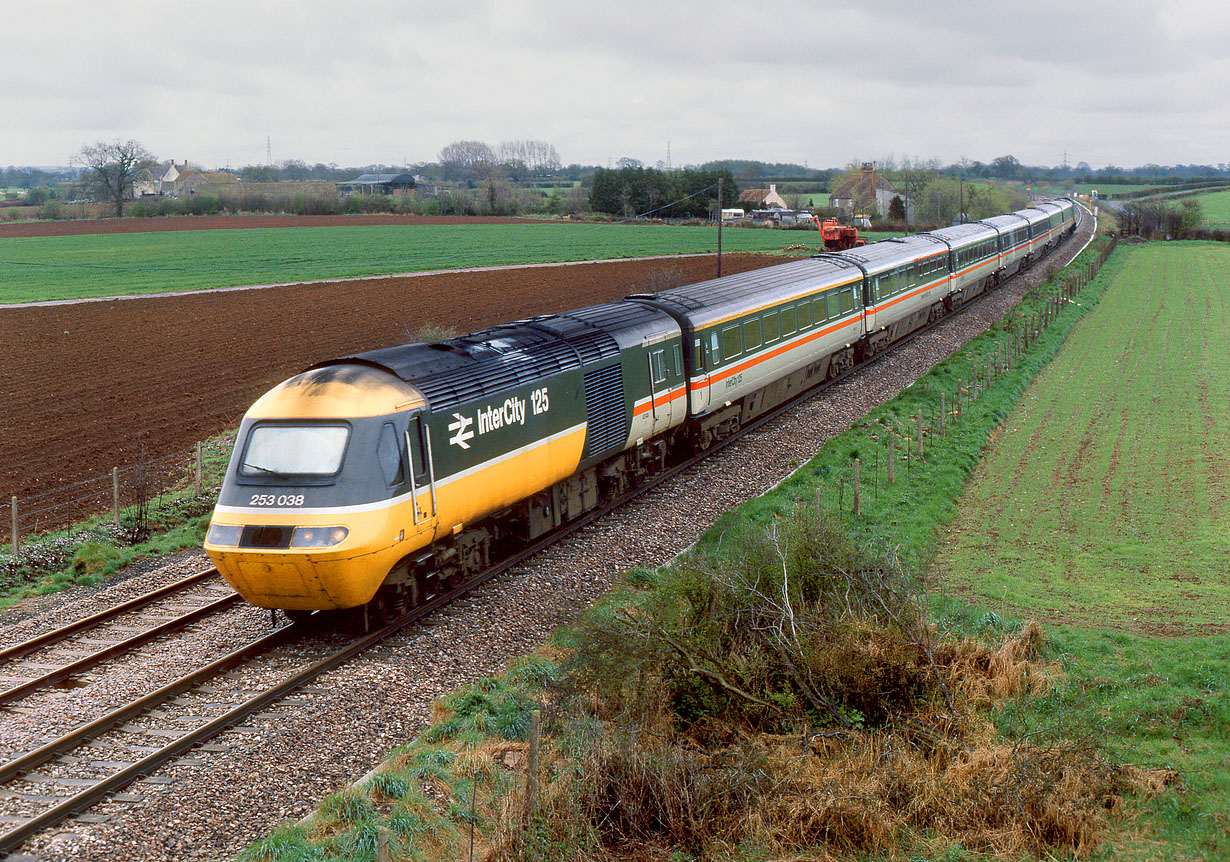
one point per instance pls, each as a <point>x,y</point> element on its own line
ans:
<point>316,509</point>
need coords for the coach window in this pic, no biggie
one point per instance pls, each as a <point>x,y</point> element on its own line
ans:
<point>804,314</point>
<point>772,327</point>
<point>847,300</point>
<point>751,335</point>
<point>657,361</point>
<point>834,308</point>
<point>730,342</point>
<point>788,320</point>
<point>677,352</point>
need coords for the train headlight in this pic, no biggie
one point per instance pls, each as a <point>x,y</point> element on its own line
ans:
<point>318,537</point>
<point>224,535</point>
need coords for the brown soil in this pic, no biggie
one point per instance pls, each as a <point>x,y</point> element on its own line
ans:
<point>94,385</point>
<point>75,227</point>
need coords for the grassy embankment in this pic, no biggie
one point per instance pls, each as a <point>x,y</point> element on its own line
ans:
<point>1123,697</point>
<point>44,268</point>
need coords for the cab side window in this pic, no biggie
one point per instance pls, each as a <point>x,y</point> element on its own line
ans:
<point>388,451</point>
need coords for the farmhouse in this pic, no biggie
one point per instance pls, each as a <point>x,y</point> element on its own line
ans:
<point>190,182</point>
<point>864,192</point>
<point>763,198</point>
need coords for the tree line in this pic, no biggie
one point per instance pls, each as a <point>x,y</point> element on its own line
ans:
<point>685,193</point>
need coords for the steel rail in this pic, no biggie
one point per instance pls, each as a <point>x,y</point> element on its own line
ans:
<point>26,647</point>
<point>70,670</point>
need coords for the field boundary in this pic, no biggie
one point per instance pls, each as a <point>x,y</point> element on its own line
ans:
<point>425,272</point>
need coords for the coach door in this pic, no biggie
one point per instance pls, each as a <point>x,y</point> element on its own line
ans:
<point>660,359</point>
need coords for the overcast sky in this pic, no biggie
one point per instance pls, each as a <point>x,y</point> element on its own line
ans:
<point>368,81</point>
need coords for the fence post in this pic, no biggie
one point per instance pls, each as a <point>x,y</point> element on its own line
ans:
<point>892,457</point>
<point>920,429</point>
<point>16,541</point>
<point>858,488</point>
<point>958,398</point>
<point>943,410</point>
<point>115,495</point>
<point>531,775</point>
<point>197,487</point>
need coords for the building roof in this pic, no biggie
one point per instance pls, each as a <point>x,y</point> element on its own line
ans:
<point>380,179</point>
<point>864,186</point>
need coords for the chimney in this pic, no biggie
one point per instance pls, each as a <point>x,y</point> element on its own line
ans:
<point>772,188</point>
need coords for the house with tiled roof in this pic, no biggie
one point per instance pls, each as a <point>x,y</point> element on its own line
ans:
<point>190,182</point>
<point>866,191</point>
<point>763,198</point>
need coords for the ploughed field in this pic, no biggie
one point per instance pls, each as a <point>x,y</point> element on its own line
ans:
<point>93,385</point>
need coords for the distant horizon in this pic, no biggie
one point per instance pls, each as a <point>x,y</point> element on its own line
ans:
<point>1221,167</point>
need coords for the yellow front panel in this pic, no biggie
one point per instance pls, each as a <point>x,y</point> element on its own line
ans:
<point>501,483</point>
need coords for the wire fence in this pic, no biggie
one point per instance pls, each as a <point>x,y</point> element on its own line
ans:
<point>902,444</point>
<point>121,495</point>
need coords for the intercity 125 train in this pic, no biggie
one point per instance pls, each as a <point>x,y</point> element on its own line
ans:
<point>387,476</point>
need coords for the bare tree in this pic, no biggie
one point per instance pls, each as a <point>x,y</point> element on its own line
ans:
<point>466,159</point>
<point>111,167</point>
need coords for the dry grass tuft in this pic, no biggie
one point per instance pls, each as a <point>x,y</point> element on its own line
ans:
<point>929,775</point>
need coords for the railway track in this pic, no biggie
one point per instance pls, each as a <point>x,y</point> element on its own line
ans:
<point>86,791</point>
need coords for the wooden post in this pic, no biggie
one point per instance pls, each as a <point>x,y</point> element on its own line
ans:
<point>382,845</point>
<point>16,540</point>
<point>943,411</point>
<point>959,399</point>
<point>115,495</point>
<point>892,456</point>
<point>197,483</point>
<point>858,488</point>
<point>531,774</point>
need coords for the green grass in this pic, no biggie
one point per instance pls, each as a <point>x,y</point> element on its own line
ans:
<point>43,268</point>
<point>1216,208</point>
<point>1101,509</point>
<point>1104,499</point>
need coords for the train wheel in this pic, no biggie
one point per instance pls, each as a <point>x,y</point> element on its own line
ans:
<point>390,605</point>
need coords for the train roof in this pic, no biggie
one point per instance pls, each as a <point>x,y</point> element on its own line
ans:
<point>494,360</point>
<point>716,299</point>
<point>963,234</point>
<point>889,253</point>
<point>1011,221</point>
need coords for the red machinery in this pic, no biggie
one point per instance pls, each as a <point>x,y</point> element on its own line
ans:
<point>839,237</point>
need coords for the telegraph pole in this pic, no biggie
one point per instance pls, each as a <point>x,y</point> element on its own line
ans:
<point>719,208</point>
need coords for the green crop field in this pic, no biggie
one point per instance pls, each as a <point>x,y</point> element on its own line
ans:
<point>1101,508</point>
<point>33,269</point>
<point>1105,497</point>
<point>1216,208</point>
